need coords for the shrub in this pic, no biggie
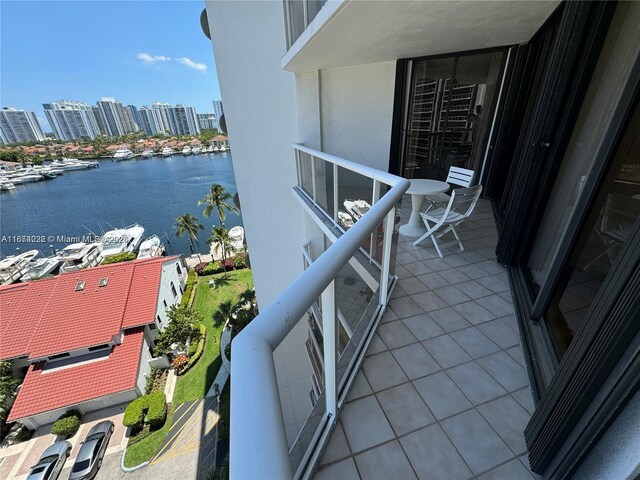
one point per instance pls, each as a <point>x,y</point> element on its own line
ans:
<point>23,434</point>
<point>213,267</point>
<point>67,425</point>
<point>179,362</point>
<point>153,405</point>
<point>197,351</point>
<point>151,378</point>
<point>189,290</point>
<point>120,257</point>
<point>238,262</point>
<point>199,267</point>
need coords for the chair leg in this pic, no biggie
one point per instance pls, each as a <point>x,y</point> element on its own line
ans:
<point>435,244</point>
<point>455,234</point>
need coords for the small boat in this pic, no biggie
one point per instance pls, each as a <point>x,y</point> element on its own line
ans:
<point>147,154</point>
<point>223,148</point>
<point>210,149</point>
<point>78,256</point>
<point>345,219</point>
<point>41,267</point>
<point>167,152</point>
<point>14,267</point>
<point>151,247</point>
<point>357,208</point>
<point>122,154</point>
<point>237,238</point>
<point>186,150</point>
<point>121,240</point>
<point>6,185</point>
<point>216,148</point>
<point>21,178</point>
<point>196,150</point>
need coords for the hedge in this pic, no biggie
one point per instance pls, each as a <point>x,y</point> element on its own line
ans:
<point>198,352</point>
<point>119,257</point>
<point>189,289</point>
<point>154,405</point>
<point>67,425</point>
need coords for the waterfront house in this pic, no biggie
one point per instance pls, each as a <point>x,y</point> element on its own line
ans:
<point>83,339</point>
<point>518,354</point>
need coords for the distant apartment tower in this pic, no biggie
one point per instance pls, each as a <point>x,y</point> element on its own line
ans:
<point>99,120</point>
<point>71,120</point>
<point>183,120</point>
<point>207,121</point>
<point>19,126</point>
<point>117,118</point>
<point>219,111</point>
<point>152,120</point>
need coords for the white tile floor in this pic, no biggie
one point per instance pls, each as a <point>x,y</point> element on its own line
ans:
<point>443,392</point>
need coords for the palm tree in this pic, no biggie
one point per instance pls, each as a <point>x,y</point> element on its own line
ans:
<point>218,199</point>
<point>249,296</point>
<point>189,224</point>
<point>224,312</point>
<point>220,237</point>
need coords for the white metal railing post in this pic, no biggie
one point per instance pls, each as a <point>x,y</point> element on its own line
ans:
<point>313,179</point>
<point>335,193</point>
<point>374,199</point>
<point>389,224</point>
<point>330,341</point>
<point>299,168</point>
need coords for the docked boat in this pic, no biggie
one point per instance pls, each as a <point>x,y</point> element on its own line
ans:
<point>6,185</point>
<point>22,177</point>
<point>237,238</point>
<point>79,256</point>
<point>122,154</point>
<point>167,152</point>
<point>223,148</point>
<point>151,247</point>
<point>196,150</point>
<point>345,219</point>
<point>121,240</point>
<point>210,149</point>
<point>41,268</point>
<point>357,208</point>
<point>14,267</point>
<point>186,150</point>
<point>147,154</point>
<point>216,148</point>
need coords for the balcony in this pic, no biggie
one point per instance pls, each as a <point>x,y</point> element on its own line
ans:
<point>421,377</point>
<point>443,392</point>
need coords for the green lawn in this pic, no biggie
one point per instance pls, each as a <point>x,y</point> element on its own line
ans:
<point>196,382</point>
<point>147,447</point>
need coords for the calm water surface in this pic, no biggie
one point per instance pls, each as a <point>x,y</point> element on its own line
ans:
<point>150,192</point>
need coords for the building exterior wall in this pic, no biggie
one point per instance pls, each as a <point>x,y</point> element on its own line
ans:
<point>144,368</point>
<point>71,120</point>
<point>19,126</point>
<point>165,295</point>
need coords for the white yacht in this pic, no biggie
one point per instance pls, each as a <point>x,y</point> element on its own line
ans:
<point>186,150</point>
<point>210,149</point>
<point>223,148</point>
<point>167,152</point>
<point>357,208</point>
<point>121,240</point>
<point>196,150</point>
<point>6,185</point>
<point>24,177</point>
<point>216,148</point>
<point>14,267</point>
<point>237,238</point>
<point>345,219</point>
<point>151,247</point>
<point>147,154</point>
<point>122,154</point>
<point>41,267</point>
<point>78,256</point>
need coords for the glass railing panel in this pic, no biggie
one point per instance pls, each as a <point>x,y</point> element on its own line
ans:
<point>296,21</point>
<point>305,172</point>
<point>355,194</point>
<point>324,185</point>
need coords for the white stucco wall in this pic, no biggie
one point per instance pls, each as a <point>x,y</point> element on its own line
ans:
<point>143,368</point>
<point>169,275</point>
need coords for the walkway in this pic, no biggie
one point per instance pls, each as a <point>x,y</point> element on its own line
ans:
<point>443,392</point>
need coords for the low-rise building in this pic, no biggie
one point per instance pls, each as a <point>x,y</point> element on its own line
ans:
<point>84,339</point>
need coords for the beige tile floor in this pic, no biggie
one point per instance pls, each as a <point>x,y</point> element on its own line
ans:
<point>443,392</point>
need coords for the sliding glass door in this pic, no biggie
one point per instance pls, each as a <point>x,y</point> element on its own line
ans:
<point>450,111</point>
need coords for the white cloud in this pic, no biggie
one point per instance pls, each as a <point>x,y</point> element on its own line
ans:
<point>146,58</point>
<point>190,63</point>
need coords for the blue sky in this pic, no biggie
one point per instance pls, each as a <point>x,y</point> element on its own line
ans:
<point>137,52</point>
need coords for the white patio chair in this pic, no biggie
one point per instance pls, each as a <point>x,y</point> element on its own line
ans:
<point>457,176</point>
<point>456,211</point>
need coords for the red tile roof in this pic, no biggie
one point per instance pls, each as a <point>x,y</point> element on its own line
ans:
<point>48,316</point>
<point>53,388</point>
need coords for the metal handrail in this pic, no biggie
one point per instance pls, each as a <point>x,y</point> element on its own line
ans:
<point>258,443</point>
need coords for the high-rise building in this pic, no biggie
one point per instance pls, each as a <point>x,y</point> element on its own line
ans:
<point>153,119</point>
<point>71,120</point>
<point>521,354</point>
<point>19,126</point>
<point>219,111</point>
<point>117,118</point>
<point>183,120</point>
<point>134,115</point>
<point>207,121</point>
<point>99,120</point>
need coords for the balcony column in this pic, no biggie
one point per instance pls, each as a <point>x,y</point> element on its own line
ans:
<point>389,223</point>
<point>330,339</point>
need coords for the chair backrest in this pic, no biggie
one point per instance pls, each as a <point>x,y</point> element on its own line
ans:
<point>463,200</point>
<point>619,214</point>
<point>460,176</point>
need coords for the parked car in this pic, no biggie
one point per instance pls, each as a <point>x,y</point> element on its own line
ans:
<point>89,459</point>
<point>51,462</point>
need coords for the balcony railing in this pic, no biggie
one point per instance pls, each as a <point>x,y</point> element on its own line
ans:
<point>258,445</point>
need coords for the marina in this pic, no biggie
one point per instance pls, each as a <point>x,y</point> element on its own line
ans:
<point>81,205</point>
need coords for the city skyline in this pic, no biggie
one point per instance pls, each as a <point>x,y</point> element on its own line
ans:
<point>140,65</point>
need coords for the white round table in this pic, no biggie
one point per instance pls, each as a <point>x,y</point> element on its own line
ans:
<point>418,189</point>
